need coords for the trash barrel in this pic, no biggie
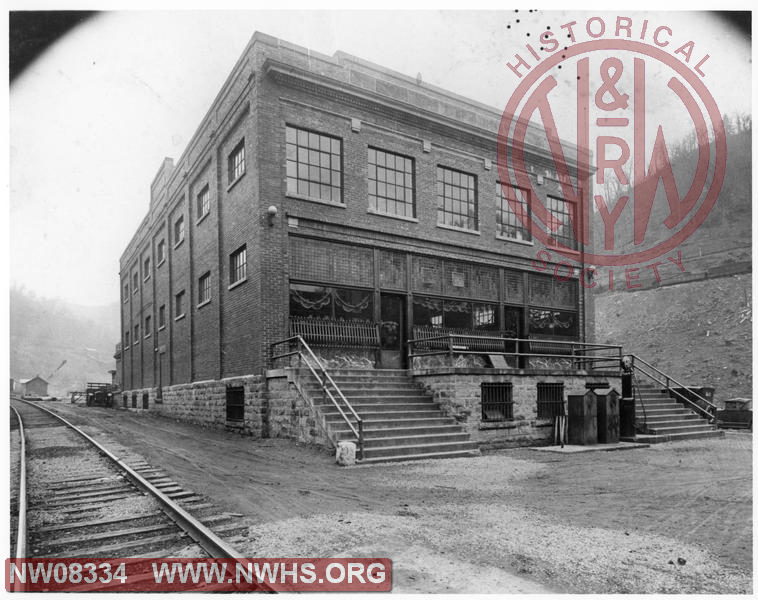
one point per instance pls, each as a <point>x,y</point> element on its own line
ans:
<point>607,415</point>
<point>626,418</point>
<point>582,419</point>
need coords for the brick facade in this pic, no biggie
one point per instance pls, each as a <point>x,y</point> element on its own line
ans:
<point>275,85</point>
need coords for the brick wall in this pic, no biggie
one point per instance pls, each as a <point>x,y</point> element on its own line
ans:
<point>458,391</point>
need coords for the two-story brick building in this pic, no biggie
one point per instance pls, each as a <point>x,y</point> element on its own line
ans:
<point>330,197</point>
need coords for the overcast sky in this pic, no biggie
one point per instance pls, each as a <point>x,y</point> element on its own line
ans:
<point>92,119</point>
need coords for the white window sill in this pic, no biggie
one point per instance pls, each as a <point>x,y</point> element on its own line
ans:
<point>180,317</point>
<point>160,263</point>
<point>161,328</point>
<point>515,240</point>
<point>461,229</point>
<point>391,216</point>
<point>148,335</point>
<point>315,200</point>
<point>146,278</point>
<point>179,243</point>
<point>237,283</point>
<point>201,219</point>
<point>204,303</point>
<point>233,183</point>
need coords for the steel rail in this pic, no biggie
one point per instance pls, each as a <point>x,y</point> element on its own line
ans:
<point>21,534</point>
<point>205,538</point>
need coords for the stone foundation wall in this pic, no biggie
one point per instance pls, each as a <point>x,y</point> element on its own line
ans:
<point>289,415</point>
<point>458,392</point>
<point>273,407</point>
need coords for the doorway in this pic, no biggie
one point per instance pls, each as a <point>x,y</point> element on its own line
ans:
<point>393,351</point>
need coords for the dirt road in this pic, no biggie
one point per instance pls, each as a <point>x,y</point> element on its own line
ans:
<point>512,521</point>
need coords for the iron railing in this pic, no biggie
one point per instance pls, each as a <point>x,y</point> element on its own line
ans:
<point>582,355</point>
<point>297,347</point>
<point>700,404</point>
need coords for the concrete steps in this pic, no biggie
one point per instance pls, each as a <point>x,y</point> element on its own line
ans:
<point>400,421</point>
<point>668,420</point>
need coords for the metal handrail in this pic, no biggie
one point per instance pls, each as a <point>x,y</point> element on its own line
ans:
<point>636,386</point>
<point>322,381</point>
<point>578,350</point>
<point>669,380</point>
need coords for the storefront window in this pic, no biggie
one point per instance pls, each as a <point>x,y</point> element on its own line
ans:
<point>485,317</point>
<point>427,311</point>
<point>331,303</point>
<point>553,322</point>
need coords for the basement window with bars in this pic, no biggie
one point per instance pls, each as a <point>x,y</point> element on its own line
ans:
<point>549,400</point>
<point>497,402</point>
<point>235,404</point>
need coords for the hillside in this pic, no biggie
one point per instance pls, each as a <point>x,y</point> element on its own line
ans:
<point>722,244</point>
<point>699,333</point>
<point>45,332</point>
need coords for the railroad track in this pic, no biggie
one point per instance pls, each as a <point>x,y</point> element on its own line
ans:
<point>83,501</point>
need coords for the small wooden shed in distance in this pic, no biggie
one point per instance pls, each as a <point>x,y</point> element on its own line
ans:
<point>36,386</point>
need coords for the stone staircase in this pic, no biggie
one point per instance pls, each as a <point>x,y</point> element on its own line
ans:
<point>400,420</point>
<point>668,420</point>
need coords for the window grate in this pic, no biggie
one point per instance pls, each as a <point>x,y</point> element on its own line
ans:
<point>549,400</point>
<point>497,401</point>
<point>235,403</point>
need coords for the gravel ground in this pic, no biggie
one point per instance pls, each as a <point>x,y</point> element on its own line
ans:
<point>513,521</point>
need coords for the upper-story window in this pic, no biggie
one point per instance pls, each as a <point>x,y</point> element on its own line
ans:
<point>135,282</point>
<point>236,163</point>
<point>179,305</point>
<point>457,199</point>
<point>559,212</point>
<point>204,288</point>
<point>146,268</point>
<point>136,334</point>
<point>179,231</point>
<point>238,265</point>
<point>161,252</point>
<point>126,292</point>
<point>314,165</point>
<point>148,326</point>
<point>126,339</point>
<point>508,223</point>
<point>203,202</point>
<point>162,316</point>
<point>390,183</point>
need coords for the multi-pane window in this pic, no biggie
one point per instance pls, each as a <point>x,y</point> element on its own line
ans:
<point>457,199</point>
<point>179,230</point>
<point>204,288</point>
<point>238,265</point>
<point>559,212</point>
<point>148,326</point>
<point>236,163</point>
<point>179,304</point>
<point>509,225</point>
<point>203,202</point>
<point>146,268</point>
<point>314,165</point>
<point>390,183</point>
<point>549,400</point>
<point>162,316</point>
<point>136,334</point>
<point>497,401</point>
<point>161,251</point>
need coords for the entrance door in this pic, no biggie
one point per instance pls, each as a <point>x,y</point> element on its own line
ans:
<point>393,354</point>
